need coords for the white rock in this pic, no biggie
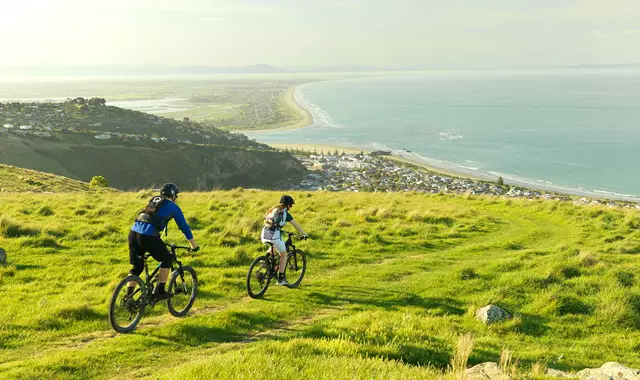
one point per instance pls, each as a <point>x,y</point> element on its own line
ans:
<point>593,374</point>
<point>485,371</point>
<point>550,372</point>
<point>617,370</point>
<point>492,314</point>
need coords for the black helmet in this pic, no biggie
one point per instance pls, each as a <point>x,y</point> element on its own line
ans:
<point>286,200</point>
<point>169,190</point>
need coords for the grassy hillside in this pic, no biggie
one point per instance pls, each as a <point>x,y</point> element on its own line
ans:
<point>139,164</point>
<point>13,179</point>
<point>393,282</point>
<point>92,115</point>
<point>80,139</point>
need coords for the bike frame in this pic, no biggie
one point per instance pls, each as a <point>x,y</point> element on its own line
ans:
<point>275,256</point>
<point>151,278</point>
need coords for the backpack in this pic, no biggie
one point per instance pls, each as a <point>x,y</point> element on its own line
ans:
<point>148,214</point>
<point>274,218</point>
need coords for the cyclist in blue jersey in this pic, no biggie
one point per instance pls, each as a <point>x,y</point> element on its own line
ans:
<point>145,237</point>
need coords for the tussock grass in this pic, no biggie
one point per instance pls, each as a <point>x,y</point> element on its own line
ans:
<point>461,355</point>
<point>392,285</point>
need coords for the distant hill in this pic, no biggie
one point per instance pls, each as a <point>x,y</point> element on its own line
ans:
<point>92,115</point>
<point>124,70</point>
<point>121,70</point>
<point>605,66</point>
<point>83,138</point>
<point>14,179</point>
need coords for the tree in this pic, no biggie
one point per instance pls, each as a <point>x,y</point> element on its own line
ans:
<point>99,181</point>
<point>500,181</point>
<point>98,102</point>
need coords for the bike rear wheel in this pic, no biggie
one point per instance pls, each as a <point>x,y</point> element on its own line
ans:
<point>296,267</point>
<point>259,277</point>
<point>184,285</point>
<point>125,310</point>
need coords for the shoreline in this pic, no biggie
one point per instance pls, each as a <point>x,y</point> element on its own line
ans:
<point>306,118</point>
<point>354,150</point>
<point>451,173</point>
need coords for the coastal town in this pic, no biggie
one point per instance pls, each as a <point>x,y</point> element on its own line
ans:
<point>380,172</point>
<point>93,116</point>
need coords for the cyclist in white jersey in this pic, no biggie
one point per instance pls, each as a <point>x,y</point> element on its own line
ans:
<point>277,217</point>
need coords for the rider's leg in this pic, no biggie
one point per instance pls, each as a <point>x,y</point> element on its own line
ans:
<point>281,248</point>
<point>135,259</point>
<point>159,251</point>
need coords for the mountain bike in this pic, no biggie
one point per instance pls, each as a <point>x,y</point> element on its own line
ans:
<point>264,268</point>
<point>126,310</point>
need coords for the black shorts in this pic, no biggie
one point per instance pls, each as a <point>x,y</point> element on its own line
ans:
<point>141,244</point>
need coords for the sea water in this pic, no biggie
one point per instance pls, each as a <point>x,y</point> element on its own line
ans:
<point>571,130</point>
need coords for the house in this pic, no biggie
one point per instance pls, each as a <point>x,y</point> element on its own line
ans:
<point>318,166</point>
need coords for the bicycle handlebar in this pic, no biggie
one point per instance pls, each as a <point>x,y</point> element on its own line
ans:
<point>301,237</point>
<point>189,249</point>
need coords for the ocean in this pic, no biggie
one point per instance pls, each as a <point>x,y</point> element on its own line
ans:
<point>569,130</point>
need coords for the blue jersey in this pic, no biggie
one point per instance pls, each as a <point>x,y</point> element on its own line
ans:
<point>168,210</point>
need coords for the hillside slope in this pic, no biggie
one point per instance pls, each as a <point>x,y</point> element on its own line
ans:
<point>138,164</point>
<point>80,139</point>
<point>14,179</point>
<point>393,281</point>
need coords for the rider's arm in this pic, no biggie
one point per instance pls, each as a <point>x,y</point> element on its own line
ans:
<point>297,227</point>
<point>178,216</point>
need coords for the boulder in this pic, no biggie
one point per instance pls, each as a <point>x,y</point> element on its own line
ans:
<point>616,369</point>
<point>485,371</point>
<point>550,372</point>
<point>3,256</point>
<point>491,314</point>
<point>593,374</point>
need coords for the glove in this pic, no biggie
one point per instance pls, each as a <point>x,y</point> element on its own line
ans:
<point>196,249</point>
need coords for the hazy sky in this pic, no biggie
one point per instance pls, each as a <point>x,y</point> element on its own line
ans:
<point>304,33</point>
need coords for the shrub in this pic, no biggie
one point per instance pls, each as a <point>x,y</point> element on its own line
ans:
<point>99,181</point>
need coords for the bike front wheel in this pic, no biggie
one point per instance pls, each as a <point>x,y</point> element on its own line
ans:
<point>258,277</point>
<point>126,309</point>
<point>296,267</point>
<point>184,285</point>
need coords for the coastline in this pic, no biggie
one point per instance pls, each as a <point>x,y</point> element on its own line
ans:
<point>306,119</point>
<point>354,150</point>
<point>572,193</point>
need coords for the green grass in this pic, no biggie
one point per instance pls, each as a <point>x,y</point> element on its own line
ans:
<point>14,179</point>
<point>393,282</point>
